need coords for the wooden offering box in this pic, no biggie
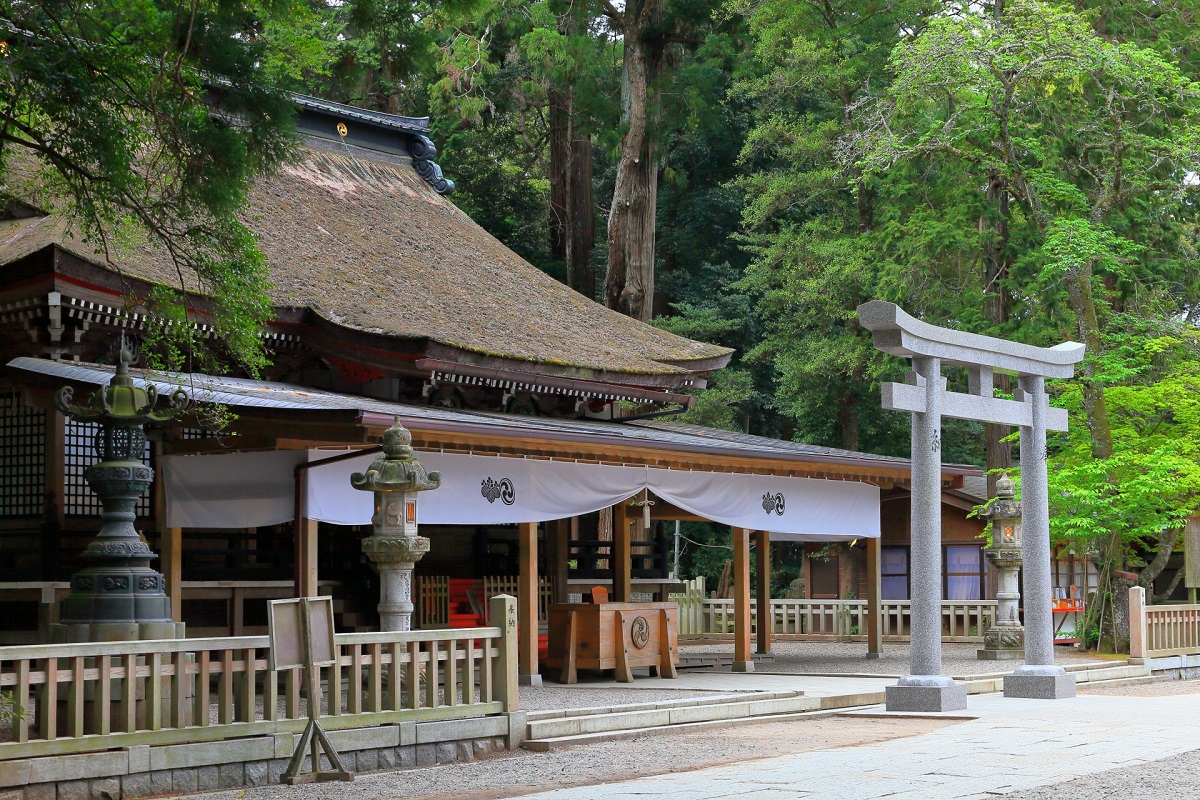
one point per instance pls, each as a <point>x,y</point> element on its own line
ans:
<point>616,636</point>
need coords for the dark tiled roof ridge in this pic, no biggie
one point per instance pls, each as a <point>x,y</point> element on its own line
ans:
<point>419,125</point>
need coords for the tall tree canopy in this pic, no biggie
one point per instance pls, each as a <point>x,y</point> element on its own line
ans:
<point>149,119</point>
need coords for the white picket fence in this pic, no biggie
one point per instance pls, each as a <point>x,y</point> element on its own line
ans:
<point>827,619</point>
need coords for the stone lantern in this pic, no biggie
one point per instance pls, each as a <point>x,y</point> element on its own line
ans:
<point>1006,638</point>
<point>394,546</point>
<point>117,596</point>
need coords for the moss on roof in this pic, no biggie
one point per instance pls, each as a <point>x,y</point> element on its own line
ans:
<point>361,240</point>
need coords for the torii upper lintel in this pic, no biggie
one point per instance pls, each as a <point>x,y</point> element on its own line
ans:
<point>900,334</point>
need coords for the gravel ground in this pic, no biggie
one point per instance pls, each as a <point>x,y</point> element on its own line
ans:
<point>522,772</point>
<point>839,657</point>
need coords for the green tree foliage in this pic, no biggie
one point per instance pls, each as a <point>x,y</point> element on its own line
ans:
<point>1094,140</point>
<point>810,219</point>
<point>148,120</point>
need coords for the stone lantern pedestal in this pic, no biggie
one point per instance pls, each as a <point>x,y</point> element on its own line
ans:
<point>1005,639</point>
<point>394,546</point>
<point>117,596</point>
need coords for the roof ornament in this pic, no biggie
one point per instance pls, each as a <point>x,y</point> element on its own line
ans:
<point>423,152</point>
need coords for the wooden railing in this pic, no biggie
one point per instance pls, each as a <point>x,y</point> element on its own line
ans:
<point>961,620</point>
<point>1167,630</point>
<point>592,558</point>
<point>77,698</point>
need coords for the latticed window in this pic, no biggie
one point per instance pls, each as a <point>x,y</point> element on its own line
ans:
<point>80,438</point>
<point>22,459</point>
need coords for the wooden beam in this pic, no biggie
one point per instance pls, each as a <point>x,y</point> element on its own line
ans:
<point>874,598</point>
<point>742,660</point>
<point>885,475</point>
<point>766,618</point>
<point>621,563</point>
<point>527,605</point>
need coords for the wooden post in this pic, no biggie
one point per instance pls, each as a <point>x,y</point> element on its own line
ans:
<point>766,617</point>
<point>503,609</point>
<point>558,552</point>
<point>56,453</point>
<point>622,565</point>
<point>742,660</point>
<point>306,559</point>
<point>527,605</point>
<point>1138,630</point>
<point>874,620</point>
<point>171,559</point>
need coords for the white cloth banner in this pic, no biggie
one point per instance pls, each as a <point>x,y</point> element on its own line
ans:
<point>786,507</point>
<point>223,491</point>
<point>234,490</point>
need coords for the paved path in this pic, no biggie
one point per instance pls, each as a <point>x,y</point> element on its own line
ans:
<point>1012,745</point>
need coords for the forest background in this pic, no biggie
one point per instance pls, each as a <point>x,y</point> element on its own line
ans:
<point>744,172</point>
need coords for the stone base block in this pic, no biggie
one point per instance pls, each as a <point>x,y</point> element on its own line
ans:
<point>983,654</point>
<point>873,655</point>
<point>743,666</point>
<point>1040,687</point>
<point>926,699</point>
<point>529,680</point>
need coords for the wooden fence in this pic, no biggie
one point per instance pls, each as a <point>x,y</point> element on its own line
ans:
<point>822,619</point>
<point>78,698</point>
<point>432,599</point>
<point>1166,630</point>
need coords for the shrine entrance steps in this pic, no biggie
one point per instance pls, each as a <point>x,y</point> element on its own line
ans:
<point>550,730</point>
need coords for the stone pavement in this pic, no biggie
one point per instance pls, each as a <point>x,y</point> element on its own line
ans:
<point>1010,745</point>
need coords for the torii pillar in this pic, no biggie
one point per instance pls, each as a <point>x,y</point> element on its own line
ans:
<point>924,395</point>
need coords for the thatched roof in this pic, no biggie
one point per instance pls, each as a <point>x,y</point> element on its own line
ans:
<point>359,239</point>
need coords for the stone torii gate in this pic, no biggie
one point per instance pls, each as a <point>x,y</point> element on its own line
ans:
<point>924,395</point>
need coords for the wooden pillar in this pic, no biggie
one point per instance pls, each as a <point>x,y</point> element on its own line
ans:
<point>874,620</point>
<point>622,591</point>
<point>766,618</point>
<point>527,606</point>
<point>742,660</point>
<point>56,453</point>
<point>558,552</point>
<point>306,558</point>
<point>170,558</point>
<point>170,540</point>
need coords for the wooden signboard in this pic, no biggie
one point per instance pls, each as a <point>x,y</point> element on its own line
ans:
<point>1191,554</point>
<point>301,631</point>
<point>286,626</point>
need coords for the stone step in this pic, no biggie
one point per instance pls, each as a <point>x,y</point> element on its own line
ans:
<point>702,700</point>
<point>1083,673</point>
<point>651,718</point>
<point>768,711</point>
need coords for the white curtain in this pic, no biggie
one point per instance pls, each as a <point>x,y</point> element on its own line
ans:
<point>235,490</point>
<point>486,490</point>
